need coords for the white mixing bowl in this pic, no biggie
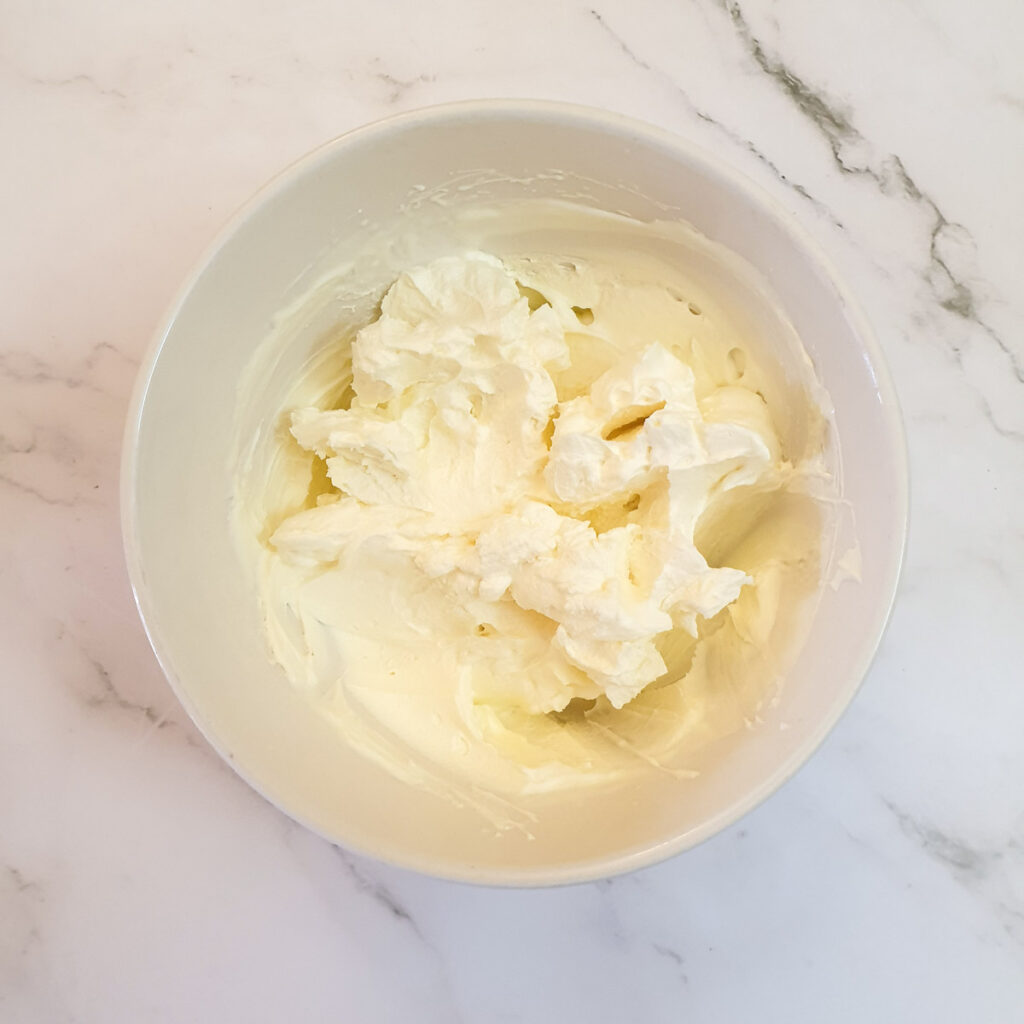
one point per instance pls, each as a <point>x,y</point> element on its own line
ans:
<point>202,616</point>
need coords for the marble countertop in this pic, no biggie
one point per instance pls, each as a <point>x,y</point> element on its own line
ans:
<point>140,880</point>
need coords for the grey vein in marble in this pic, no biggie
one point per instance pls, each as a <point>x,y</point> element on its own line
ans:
<point>672,956</point>
<point>398,87</point>
<point>704,116</point>
<point>28,891</point>
<point>384,898</point>
<point>852,154</point>
<point>954,853</point>
<point>33,492</point>
<point>975,867</point>
<point>28,368</point>
<point>93,374</point>
<point>24,884</point>
<point>105,693</point>
<point>377,891</point>
<point>109,695</point>
<point>62,83</point>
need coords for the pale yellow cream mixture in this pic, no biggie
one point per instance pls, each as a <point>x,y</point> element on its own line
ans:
<point>534,526</point>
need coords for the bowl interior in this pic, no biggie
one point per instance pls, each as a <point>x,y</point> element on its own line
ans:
<point>198,604</point>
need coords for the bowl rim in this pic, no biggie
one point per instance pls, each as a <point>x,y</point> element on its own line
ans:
<point>650,854</point>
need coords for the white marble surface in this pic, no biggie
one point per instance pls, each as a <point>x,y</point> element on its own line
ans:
<point>141,881</point>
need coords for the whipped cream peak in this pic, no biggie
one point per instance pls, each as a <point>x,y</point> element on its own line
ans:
<point>452,395</point>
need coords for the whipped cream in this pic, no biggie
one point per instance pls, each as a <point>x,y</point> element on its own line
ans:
<point>533,527</point>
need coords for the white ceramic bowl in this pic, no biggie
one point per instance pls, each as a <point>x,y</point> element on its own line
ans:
<point>202,618</point>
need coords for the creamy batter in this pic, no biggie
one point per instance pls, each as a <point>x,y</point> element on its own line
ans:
<point>534,525</point>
